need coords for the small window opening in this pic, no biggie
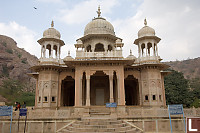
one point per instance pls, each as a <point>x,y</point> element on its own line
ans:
<point>146,98</point>
<point>39,99</point>
<point>45,99</point>
<point>53,99</point>
<point>154,97</point>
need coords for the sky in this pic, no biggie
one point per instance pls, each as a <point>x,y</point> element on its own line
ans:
<point>176,22</point>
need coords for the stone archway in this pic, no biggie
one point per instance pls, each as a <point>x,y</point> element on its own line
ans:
<point>131,90</point>
<point>99,88</point>
<point>68,91</point>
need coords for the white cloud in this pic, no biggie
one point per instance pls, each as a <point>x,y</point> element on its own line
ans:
<point>51,1</point>
<point>176,23</point>
<point>24,37</point>
<point>84,11</point>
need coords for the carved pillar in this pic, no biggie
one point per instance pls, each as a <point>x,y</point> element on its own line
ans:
<point>156,49</point>
<point>111,86</point>
<point>153,46</point>
<point>118,90</point>
<point>139,50</point>
<point>57,52</point>
<point>146,49</point>
<point>88,90</point>
<point>77,87</point>
<point>81,91</point>
<point>45,48</point>
<point>41,51</point>
<point>121,100</point>
<point>51,54</point>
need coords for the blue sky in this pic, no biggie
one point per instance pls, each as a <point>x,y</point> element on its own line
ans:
<point>176,22</point>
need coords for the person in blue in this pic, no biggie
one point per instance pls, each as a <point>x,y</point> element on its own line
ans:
<point>24,105</point>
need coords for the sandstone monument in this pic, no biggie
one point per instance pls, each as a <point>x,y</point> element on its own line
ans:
<point>99,74</point>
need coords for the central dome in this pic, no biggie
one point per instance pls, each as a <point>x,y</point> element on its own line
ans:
<point>99,26</point>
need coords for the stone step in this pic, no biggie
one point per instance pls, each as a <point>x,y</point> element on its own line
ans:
<point>100,126</point>
<point>98,122</point>
<point>89,129</point>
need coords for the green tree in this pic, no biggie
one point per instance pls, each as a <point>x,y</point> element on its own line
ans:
<point>176,89</point>
<point>13,90</point>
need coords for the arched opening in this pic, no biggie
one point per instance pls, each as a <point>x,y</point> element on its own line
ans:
<point>99,88</point>
<point>150,49</point>
<point>48,47</point>
<point>68,91</point>
<point>142,48</point>
<point>43,51</point>
<point>131,90</point>
<point>109,48</point>
<point>99,48</point>
<point>88,48</point>
<point>115,93</point>
<point>84,88</point>
<point>55,51</point>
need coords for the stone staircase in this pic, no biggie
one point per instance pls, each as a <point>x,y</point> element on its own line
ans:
<point>101,120</point>
<point>96,112</point>
<point>100,125</point>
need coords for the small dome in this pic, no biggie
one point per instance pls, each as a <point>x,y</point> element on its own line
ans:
<point>146,30</point>
<point>99,26</point>
<point>51,32</point>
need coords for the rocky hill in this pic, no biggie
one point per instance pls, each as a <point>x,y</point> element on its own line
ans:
<point>15,62</point>
<point>190,67</point>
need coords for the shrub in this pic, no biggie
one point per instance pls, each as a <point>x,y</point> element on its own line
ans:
<point>9,51</point>
<point>4,44</point>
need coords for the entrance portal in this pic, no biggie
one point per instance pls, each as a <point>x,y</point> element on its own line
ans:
<point>99,88</point>
<point>99,96</point>
<point>131,90</point>
<point>68,91</point>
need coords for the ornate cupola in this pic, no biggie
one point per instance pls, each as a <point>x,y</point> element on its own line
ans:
<point>99,40</point>
<point>147,44</point>
<point>50,46</point>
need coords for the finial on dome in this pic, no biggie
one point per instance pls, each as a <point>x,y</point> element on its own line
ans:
<point>68,53</point>
<point>99,12</point>
<point>52,24</point>
<point>130,52</point>
<point>145,22</point>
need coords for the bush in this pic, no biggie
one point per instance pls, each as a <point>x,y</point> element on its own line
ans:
<point>9,51</point>
<point>12,90</point>
<point>5,72</point>
<point>24,61</point>
<point>4,44</point>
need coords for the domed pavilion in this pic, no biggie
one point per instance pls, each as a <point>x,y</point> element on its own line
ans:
<point>99,73</point>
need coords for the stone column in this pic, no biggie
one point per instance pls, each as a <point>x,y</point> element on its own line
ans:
<point>156,49</point>
<point>81,91</point>
<point>146,49</point>
<point>51,55</point>
<point>153,46</point>
<point>41,51</point>
<point>139,50</point>
<point>111,87</point>
<point>121,87</point>
<point>77,87</point>
<point>118,90</point>
<point>57,53</point>
<point>45,48</point>
<point>88,90</point>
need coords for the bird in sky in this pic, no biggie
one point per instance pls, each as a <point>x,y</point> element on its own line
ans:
<point>34,7</point>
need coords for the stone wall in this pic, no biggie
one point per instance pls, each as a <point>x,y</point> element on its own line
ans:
<point>151,120</point>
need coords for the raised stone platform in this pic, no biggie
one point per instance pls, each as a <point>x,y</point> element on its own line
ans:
<point>98,119</point>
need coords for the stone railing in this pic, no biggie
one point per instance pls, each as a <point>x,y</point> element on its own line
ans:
<point>83,54</point>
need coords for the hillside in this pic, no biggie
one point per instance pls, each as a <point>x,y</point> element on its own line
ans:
<point>15,63</point>
<point>190,68</point>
